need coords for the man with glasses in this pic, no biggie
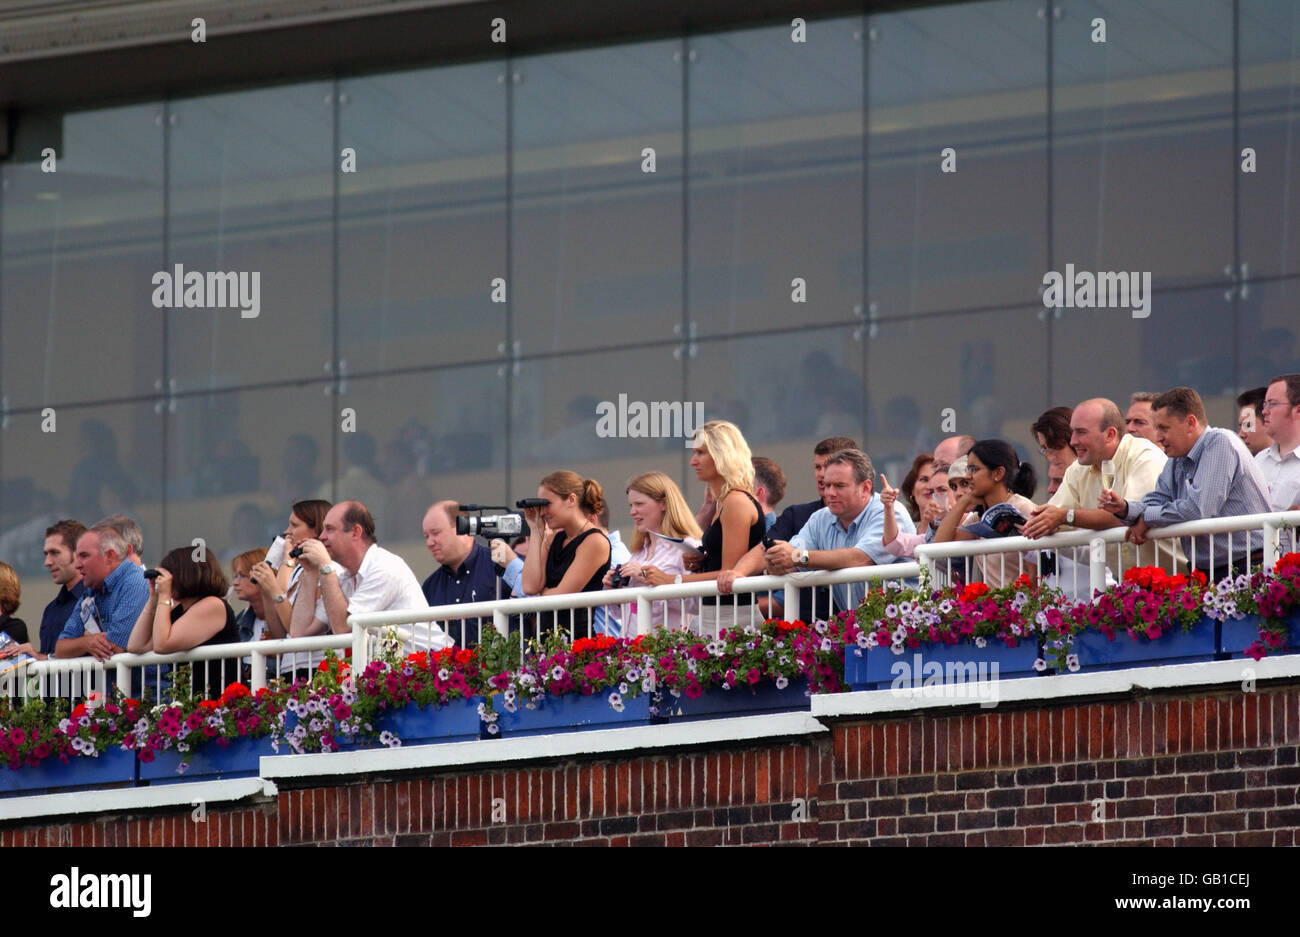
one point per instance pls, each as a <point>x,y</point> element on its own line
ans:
<point>1280,462</point>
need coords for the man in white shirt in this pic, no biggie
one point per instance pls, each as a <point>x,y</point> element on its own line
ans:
<point>1097,435</point>
<point>1280,462</point>
<point>355,575</point>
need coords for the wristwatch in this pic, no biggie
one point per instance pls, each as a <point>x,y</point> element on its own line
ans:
<point>801,558</point>
<point>677,580</point>
<point>279,599</point>
<point>1069,516</point>
<point>326,569</point>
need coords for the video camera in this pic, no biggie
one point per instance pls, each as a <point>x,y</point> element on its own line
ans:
<point>505,525</point>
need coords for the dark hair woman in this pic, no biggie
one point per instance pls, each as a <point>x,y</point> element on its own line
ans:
<point>997,476</point>
<point>186,609</point>
<point>568,553</point>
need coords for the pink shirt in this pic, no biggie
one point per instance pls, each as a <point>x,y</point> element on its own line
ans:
<point>905,544</point>
<point>666,556</point>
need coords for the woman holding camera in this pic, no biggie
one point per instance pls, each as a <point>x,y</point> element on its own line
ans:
<point>657,507</point>
<point>568,553</point>
<point>186,609</point>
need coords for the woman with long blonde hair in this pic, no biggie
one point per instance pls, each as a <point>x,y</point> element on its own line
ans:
<point>662,519</point>
<point>722,461</point>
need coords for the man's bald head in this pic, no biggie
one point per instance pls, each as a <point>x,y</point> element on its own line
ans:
<point>950,450</point>
<point>1096,428</point>
<point>445,545</point>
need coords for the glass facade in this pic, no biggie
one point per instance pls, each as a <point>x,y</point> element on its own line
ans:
<point>457,265</point>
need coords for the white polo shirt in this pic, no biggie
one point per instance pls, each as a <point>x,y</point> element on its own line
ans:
<point>384,583</point>
<point>1282,472</point>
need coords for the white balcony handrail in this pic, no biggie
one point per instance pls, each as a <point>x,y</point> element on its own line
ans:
<point>1268,524</point>
<point>499,610</point>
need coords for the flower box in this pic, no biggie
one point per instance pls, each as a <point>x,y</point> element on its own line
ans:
<point>209,762</point>
<point>573,713</point>
<point>1174,646</point>
<point>112,768</point>
<point>1238,634</point>
<point>879,668</point>
<point>740,700</point>
<point>457,721</point>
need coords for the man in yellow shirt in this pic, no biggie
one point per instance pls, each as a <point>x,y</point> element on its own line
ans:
<point>1097,435</point>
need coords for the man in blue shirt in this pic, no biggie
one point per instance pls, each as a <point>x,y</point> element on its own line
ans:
<point>116,593</point>
<point>847,532</point>
<point>466,572</point>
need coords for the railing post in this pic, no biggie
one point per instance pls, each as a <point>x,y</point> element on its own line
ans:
<point>1270,544</point>
<point>645,613</point>
<point>123,678</point>
<point>1096,567</point>
<point>360,648</point>
<point>501,622</point>
<point>791,603</point>
<point>258,679</point>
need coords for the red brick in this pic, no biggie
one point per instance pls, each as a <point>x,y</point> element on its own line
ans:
<point>941,728</point>
<point>981,735</point>
<point>762,775</point>
<point>1251,707</point>
<point>1212,725</point>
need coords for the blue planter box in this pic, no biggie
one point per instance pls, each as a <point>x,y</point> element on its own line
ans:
<point>741,700</point>
<point>573,713</point>
<point>1174,646</point>
<point>458,721</point>
<point>210,762</point>
<point>937,665</point>
<point>1237,635</point>
<point>113,768</point>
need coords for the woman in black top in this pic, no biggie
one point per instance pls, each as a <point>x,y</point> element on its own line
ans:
<point>186,610</point>
<point>722,461</point>
<point>567,553</point>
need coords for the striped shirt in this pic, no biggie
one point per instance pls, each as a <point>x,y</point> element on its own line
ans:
<point>1217,478</point>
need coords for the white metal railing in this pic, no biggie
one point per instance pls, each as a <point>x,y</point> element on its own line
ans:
<point>728,608</point>
<point>1211,544</point>
<point>76,678</point>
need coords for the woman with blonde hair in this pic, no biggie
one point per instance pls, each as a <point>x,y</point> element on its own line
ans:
<point>11,592</point>
<point>662,519</point>
<point>722,461</point>
<point>563,556</point>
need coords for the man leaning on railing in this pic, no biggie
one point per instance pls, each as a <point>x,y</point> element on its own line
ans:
<point>1210,473</point>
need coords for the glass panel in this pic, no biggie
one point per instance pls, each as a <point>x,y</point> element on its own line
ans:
<point>971,78</point>
<point>1270,124</point>
<point>1142,135</point>
<point>237,461</point>
<point>785,392</point>
<point>79,462</point>
<point>989,369</point>
<point>78,247</point>
<point>251,192</point>
<point>775,177</point>
<point>418,438</point>
<point>1267,332</point>
<point>422,220</point>
<point>597,241</point>
<point>1187,340</point>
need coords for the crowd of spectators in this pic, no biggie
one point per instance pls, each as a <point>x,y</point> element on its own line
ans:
<point>1156,464</point>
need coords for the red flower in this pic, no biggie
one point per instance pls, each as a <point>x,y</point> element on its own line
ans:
<point>974,591</point>
<point>233,692</point>
<point>208,704</point>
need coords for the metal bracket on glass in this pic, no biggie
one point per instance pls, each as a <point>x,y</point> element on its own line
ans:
<point>513,358</point>
<point>168,401</point>
<point>691,56</point>
<point>1240,282</point>
<point>1056,311</point>
<point>869,328</point>
<point>4,412</point>
<point>339,385</point>
<point>688,349</point>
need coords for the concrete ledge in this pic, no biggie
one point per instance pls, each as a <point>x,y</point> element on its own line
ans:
<point>536,747</point>
<point>1060,687</point>
<point>72,804</point>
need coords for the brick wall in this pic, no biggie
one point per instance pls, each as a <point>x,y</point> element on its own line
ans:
<point>1189,769</point>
